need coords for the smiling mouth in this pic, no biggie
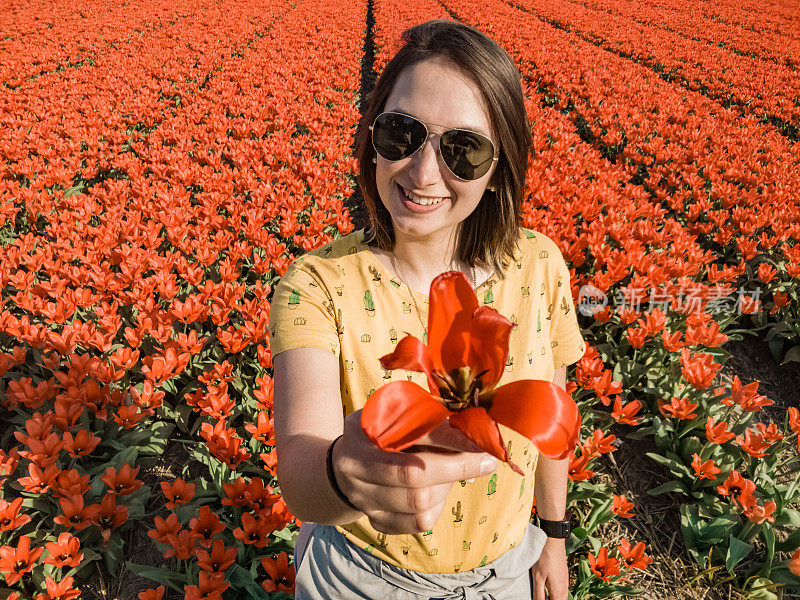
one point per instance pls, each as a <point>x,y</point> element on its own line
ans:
<point>420,200</point>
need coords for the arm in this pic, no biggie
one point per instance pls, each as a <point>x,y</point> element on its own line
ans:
<point>550,482</point>
<point>399,492</point>
<point>308,417</point>
<point>550,490</point>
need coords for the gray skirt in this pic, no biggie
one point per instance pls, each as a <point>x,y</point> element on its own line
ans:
<point>330,567</point>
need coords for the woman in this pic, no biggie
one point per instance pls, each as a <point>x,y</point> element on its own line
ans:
<point>442,149</point>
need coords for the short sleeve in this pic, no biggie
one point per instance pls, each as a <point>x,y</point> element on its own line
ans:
<point>301,314</point>
<point>566,340</point>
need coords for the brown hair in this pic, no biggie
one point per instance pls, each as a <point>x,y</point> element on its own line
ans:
<point>489,234</point>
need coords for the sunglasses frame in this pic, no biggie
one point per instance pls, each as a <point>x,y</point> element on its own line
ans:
<point>439,146</point>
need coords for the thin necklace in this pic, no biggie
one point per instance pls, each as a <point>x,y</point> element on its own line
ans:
<point>419,313</point>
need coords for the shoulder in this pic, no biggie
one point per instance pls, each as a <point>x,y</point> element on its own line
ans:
<point>539,247</point>
<point>345,246</point>
<point>327,260</point>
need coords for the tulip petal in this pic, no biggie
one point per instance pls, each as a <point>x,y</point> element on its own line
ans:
<point>542,412</point>
<point>452,302</point>
<point>478,426</point>
<point>411,354</point>
<point>489,333</point>
<point>397,414</point>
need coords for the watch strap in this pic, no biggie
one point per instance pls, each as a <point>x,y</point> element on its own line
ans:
<point>556,529</point>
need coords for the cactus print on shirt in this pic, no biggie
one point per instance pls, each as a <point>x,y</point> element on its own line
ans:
<point>342,299</point>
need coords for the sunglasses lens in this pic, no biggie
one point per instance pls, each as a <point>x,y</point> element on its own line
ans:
<point>467,154</point>
<point>397,136</point>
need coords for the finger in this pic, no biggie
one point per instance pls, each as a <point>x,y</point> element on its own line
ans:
<point>539,591</point>
<point>368,496</point>
<point>557,590</point>
<point>398,523</point>
<point>447,437</point>
<point>417,470</point>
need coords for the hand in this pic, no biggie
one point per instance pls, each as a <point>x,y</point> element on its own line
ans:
<point>405,492</point>
<point>551,572</point>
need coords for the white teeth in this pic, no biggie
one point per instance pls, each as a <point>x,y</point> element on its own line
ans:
<point>420,200</point>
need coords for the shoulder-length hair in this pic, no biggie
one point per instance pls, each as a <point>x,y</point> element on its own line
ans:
<point>490,233</point>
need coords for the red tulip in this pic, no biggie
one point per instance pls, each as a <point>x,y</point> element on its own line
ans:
<point>794,562</point>
<point>603,566</point>
<point>15,562</point>
<point>633,556</point>
<point>463,361</point>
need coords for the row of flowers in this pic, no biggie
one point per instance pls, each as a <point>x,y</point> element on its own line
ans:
<point>63,131</point>
<point>150,277</point>
<point>710,167</point>
<point>766,33</point>
<point>669,379</point>
<point>245,168</point>
<point>76,34</point>
<point>754,86</point>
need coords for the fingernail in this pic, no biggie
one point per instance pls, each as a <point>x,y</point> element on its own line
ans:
<point>470,480</point>
<point>488,464</point>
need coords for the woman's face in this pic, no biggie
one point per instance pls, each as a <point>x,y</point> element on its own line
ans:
<point>442,98</point>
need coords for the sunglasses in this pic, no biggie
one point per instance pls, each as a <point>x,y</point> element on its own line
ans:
<point>467,154</point>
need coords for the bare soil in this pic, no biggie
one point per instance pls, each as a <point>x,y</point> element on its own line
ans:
<point>139,547</point>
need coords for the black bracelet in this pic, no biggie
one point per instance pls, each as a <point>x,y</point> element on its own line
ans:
<point>332,476</point>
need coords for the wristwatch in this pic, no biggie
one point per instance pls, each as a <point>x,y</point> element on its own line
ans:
<point>555,529</point>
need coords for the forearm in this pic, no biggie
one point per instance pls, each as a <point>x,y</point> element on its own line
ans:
<point>303,478</point>
<point>550,488</point>
<point>550,480</point>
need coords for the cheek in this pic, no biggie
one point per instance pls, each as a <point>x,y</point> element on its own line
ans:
<point>470,197</point>
<point>385,176</point>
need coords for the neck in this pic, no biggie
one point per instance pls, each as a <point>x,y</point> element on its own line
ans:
<point>424,258</point>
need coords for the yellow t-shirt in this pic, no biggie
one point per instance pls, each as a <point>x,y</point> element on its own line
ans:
<point>342,299</point>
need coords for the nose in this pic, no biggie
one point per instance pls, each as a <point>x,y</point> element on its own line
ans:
<point>424,166</point>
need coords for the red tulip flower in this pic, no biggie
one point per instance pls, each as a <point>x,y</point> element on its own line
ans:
<point>794,563</point>
<point>463,361</point>
<point>633,556</point>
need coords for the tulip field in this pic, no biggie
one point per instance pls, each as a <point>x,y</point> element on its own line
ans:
<point>163,163</point>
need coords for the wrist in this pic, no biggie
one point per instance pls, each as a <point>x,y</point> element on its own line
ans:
<point>332,479</point>
<point>555,529</point>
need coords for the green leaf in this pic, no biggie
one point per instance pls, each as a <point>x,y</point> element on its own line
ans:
<point>672,462</point>
<point>793,355</point>
<point>690,518</point>
<point>286,534</point>
<point>641,432</point>
<point>112,553</point>
<point>601,513</point>
<point>777,328</point>
<point>776,348</point>
<point>669,487</point>
<point>789,517</point>
<point>711,533</point>
<point>183,414</point>
<point>89,556</point>
<point>241,578</point>
<point>175,581</point>
<point>768,533</point>
<point>575,541</point>
<point>737,550</point>
<point>169,387</point>
<point>790,543</point>
<point>762,589</point>
<point>782,574</point>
